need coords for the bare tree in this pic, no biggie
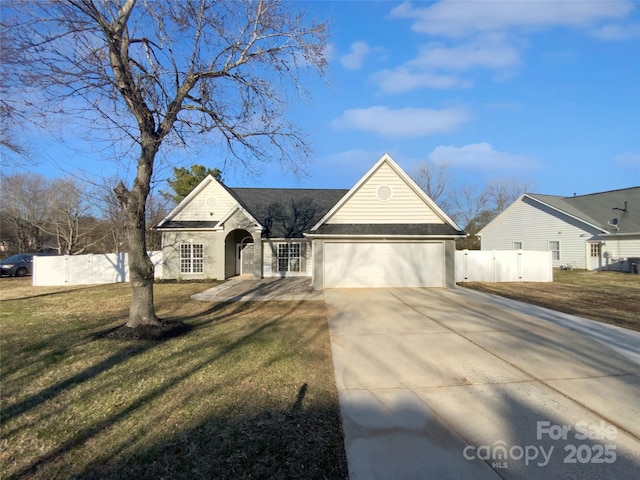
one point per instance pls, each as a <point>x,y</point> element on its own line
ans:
<point>12,147</point>
<point>502,193</point>
<point>41,212</point>
<point>112,215</point>
<point>475,207</point>
<point>471,209</point>
<point>25,207</point>
<point>70,217</point>
<point>435,181</point>
<point>158,72</point>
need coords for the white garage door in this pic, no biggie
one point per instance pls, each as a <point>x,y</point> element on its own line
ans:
<point>378,264</point>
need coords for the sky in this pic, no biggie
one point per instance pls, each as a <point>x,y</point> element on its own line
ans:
<point>544,92</point>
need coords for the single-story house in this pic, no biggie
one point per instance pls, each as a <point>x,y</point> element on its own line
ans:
<point>599,231</point>
<point>383,232</point>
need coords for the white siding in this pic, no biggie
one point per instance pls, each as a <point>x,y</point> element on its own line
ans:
<point>620,247</point>
<point>404,205</point>
<point>535,226</point>
<point>212,203</point>
<point>617,250</point>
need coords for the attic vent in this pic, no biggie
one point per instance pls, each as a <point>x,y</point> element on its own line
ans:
<point>383,193</point>
<point>211,202</point>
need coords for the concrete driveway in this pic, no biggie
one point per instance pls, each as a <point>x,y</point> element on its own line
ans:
<point>445,384</point>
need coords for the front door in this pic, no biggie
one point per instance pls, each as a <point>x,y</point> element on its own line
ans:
<point>594,250</point>
<point>244,258</point>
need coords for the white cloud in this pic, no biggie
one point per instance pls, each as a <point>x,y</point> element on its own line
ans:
<point>629,159</point>
<point>489,51</point>
<point>491,35</point>
<point>617,32</point>
<point>435,62</point>
<point>451,19</point>
<point>354,59</point>
<point>405,122</point>
<point>330,51</point>
<point>479,156</point>
<point>404,79</point>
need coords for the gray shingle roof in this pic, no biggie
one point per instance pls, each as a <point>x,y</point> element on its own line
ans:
<point>291,212</point>
<point>287,212</point>
<point>188,224</point>
<point>436,230</point>
<point>601,208</point>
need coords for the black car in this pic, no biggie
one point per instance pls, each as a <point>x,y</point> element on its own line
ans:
<point>18,265</point>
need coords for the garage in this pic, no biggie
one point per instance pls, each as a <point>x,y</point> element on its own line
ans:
<point>384,264</point>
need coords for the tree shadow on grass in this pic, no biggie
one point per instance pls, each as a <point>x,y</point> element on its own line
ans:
<point>270,443</point>
<point>230,426</point>
<point>142,341</point>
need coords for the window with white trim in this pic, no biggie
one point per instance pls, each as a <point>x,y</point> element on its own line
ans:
<point>289,257</point>
<point>595,250</point>
<point>517,245</point>
<point>191,258</point>
<point>554,248</point>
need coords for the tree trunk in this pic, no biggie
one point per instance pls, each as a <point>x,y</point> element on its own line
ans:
<point>142,311</point>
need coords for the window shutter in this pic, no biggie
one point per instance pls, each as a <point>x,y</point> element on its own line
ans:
<point>274,257</point>
<point>303,257</point>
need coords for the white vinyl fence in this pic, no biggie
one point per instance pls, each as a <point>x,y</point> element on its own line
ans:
<point>86,269</point>
<point>503,266</point>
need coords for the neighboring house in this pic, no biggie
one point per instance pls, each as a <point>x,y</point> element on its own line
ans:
<point>383,232</point>
<point>599,231</point>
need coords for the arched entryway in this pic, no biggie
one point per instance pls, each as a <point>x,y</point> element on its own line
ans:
<point>239,253</point>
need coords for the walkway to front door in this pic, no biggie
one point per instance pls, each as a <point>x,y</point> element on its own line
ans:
<point>267,289</point>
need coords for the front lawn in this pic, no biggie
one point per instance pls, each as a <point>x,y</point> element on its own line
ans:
<point>247,392</point>
<point>609,297</point>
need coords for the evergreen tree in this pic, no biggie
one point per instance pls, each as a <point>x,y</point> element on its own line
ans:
<point>185,180</point>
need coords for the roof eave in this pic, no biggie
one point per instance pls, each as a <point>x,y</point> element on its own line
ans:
<point>185,229</point>
<point>382,236</point>
<point>617,234</point>
<point>597,227</point>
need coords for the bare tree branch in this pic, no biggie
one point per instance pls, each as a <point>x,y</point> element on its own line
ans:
<point>156,73</point>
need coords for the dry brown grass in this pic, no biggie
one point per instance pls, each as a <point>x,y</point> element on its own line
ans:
<point>248,392</point>
<point>13,288</point>
<point>609,297</point>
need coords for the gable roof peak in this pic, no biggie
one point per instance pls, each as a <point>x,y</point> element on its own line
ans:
<point>388,160</point>
<point>190,196</point>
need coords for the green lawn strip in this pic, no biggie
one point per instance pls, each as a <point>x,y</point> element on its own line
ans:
<point>248,392</point>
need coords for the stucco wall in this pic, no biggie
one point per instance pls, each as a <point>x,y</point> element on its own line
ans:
<point>239,221</point>
<point>213,261</point>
